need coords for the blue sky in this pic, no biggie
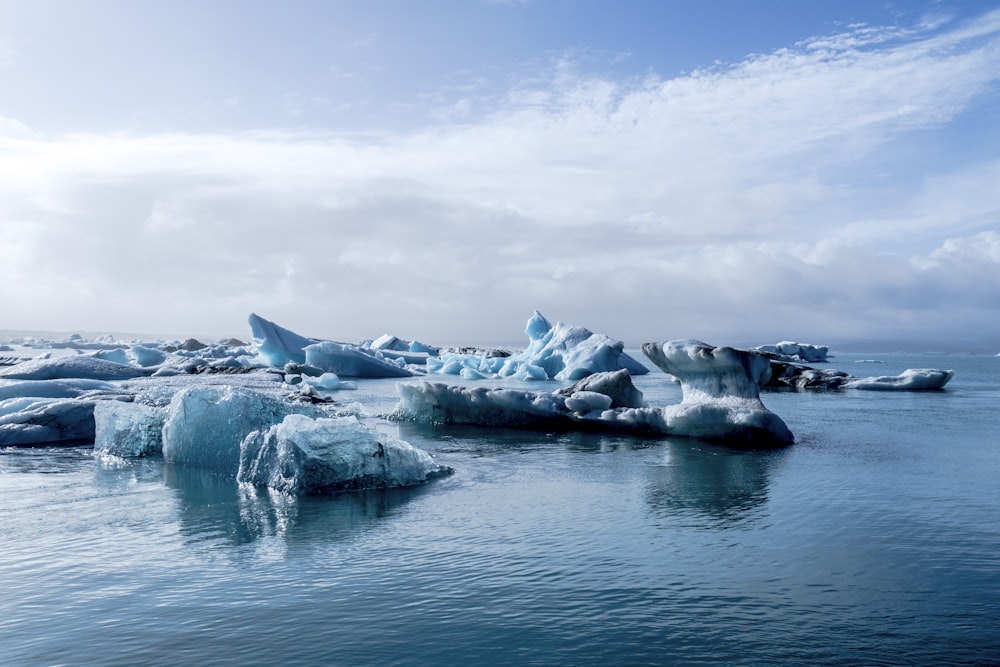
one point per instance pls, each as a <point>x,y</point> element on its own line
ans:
<point>733,171</point>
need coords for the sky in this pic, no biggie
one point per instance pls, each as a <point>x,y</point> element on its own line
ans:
<point>737,172</point>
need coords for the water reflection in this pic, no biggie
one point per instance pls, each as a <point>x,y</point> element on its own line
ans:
<point>699,480</point>
<point>213,507</point>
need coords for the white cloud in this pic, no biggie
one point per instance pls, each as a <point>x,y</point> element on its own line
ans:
<point>739,203</point>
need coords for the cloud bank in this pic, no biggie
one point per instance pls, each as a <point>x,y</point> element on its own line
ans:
<point>823,191</point>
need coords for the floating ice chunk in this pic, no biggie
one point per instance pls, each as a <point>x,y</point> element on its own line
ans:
<point>789,351</point>
<point>205,425</point>
<point>82,366</point>
<point>128,429</point>
<point>720,389</point>
<point>276,345</point>
<point>302,456</point>
<point>351,361</point>
<point>29,421</point>
<point>912,379</point>
<point>148,356</point>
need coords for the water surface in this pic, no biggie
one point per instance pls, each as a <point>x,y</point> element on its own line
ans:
<point>873,540</point>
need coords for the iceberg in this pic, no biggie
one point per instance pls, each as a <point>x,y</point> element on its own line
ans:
<point>128,429</point>
<point>276,345</point>
<point>912,379</point>
<point>309,456</point>
<point>720,392</point>
<point>82,366</point>
<point>720,402</point>
<point>554,352</point>
<point>205,425</point>
<point>350,361</point>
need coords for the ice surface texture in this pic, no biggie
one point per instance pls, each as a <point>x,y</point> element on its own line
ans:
<point>128,429</point>
<point>308,456</point>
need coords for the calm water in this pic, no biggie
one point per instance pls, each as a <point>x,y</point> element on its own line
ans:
<point>875,539</point>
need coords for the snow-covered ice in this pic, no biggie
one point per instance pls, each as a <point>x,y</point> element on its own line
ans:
<point>307,456</point>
